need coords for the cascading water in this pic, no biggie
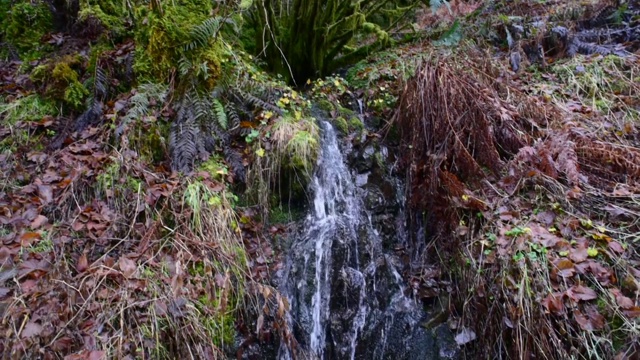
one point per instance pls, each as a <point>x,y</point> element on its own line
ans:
<point>345,293</point>
<point>335,209</point>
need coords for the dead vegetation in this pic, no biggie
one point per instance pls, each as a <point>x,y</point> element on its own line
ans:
<point>536,202</point>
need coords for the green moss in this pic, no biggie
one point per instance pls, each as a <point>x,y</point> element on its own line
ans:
<point>62,81</point>
<point>215,167</point>
<point>112,19</point>
<point>116,183</point>
<point>346,113</point>
<point>303,150</point>
<point>75,94</point>
<point>341,125</point>
<point>379,159</point>
<point>325,105</point>
<point>356,124</point>
<point>163,38</point>
<point>23,25</point>
<point>280,214</point>
<point>148,139</point>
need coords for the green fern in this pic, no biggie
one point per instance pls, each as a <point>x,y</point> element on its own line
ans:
<point>220,114</point>
<point>140,104</point>
<point>202,33</point>
<point>232,114</point>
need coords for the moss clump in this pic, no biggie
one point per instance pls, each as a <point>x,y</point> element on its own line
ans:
<point>109,16</point>
<point>215,167</point>
<point>75,94</point>
<point>61,80</point>
<point>164,37</point>
<point>342,125</point>
<point>220,322</point>
<point>23,25</point>
<point>148,138</point>
<point>303,149</point>
<point>346,113</point>
<point>356,124</point>
<point>325,105</point>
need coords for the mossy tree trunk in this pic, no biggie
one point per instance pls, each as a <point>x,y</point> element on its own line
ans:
<point>302,39</point>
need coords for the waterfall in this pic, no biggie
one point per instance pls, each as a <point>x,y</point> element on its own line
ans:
<point>345,293</point>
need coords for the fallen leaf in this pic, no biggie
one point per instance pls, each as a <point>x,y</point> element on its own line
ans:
<point>46,193</point>
<point>39,221</point>
<point>83,263</point>
<point>97,355</point>
<point>31,329</point>
<point>581,293</point>
<point>590,322</point>
<point>29,238</point>
<point>615,246</point>
<point>554,304</point>
<point>624,302</point>
<point>633,312</point>
<point>565,268</point>
<point>127,266</point>
<point>4,292</point>
<point>578,255</point>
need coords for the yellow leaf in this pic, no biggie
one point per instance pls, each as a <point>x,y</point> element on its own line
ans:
<point>592,252</point>
<point>298,115</point>
<point>465,197</point>
<point>268,115</point>
<point>260,152</point>
<point>294,95</point>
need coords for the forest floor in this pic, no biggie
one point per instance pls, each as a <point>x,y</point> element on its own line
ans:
<point>101,250</point>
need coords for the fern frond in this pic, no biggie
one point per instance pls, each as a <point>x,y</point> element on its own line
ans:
<point>221,116</point>
<point>140,104</point>
<point>232,115</point>
<point>100,84</point>
<point>184,65</point>
<point>201,33</point>
<point>183,142</point>
<point>256,102</point>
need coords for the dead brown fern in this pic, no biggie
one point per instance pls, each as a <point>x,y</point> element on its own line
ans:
<point>457,130</point>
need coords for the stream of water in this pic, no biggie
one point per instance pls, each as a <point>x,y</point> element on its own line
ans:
<point>334,294</point>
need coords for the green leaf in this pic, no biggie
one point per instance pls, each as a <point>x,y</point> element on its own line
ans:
<point>592,252</point>
<point>260,152</point>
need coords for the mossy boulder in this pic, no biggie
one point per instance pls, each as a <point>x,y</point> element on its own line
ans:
<point>325,105</point>
<point>341,124</point>
<point>23,24</point>
<point>356,124</point>
<point>60,80</point>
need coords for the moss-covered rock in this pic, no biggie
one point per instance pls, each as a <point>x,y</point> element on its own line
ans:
<point>342,125</point>
<point>356,124</point>
<point>60,80</point>
<point>325,105</point>
<point>23,24</point>
<point>106,15</point>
